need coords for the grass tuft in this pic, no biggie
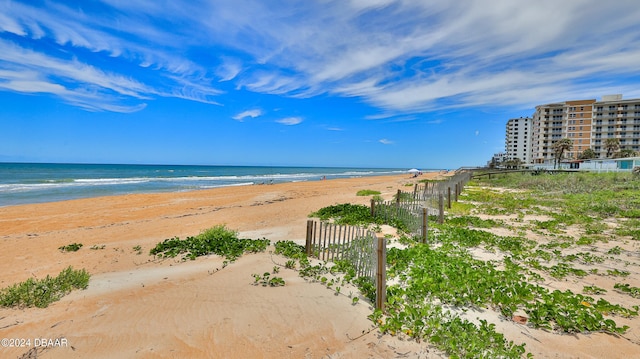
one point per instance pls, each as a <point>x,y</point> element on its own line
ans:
<point>41,293</point>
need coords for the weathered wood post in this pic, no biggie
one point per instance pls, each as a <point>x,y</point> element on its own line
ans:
<point>457,193</point>
<point>373,208</point>
<point>449,197</point>
<point>415,190</point>
<point>398,198</point>
<point>425,228</point>
<point>308,243</point>
<point>381,274</point>
<point>441,208</point>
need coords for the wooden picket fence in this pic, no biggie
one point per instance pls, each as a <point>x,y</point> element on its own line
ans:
<point>410,213</point>
<point>361,247</point>
<point>412,209</point>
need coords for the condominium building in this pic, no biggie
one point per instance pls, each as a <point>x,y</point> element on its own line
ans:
<point>616,118</point>
<point>517,142</point>
<point>588,123</point>
<point>497,159</point>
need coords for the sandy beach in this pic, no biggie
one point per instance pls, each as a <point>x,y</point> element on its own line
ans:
<point>139,307</point>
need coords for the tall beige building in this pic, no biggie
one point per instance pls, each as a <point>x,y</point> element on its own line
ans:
<point>588,123</point>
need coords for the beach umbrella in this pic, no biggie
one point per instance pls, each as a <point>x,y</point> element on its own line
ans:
<point>414,170</point>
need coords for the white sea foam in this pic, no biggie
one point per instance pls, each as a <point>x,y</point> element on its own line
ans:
<point>32,183</point>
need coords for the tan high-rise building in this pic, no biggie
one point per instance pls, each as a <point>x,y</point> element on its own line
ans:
<point>547,129</point>
<point>588,123</point>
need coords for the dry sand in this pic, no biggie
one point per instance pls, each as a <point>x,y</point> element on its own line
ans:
<point>138,307</point>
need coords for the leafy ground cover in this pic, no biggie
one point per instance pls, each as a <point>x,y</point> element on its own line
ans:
<point>346,213</point>
<point>42,292</point>
<point>567,228</point>
<point>367,192</point>
<point>73,247</point>
<point>216,240</point>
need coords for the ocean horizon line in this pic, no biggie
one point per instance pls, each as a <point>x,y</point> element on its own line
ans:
<point>210,165</point>
<point>29,182</point>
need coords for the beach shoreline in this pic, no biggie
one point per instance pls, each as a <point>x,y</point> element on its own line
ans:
<point>27,183</point>
<point>129,293</point>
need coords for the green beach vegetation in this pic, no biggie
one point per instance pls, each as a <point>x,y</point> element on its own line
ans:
<point>367,192</point>
<point>216,240</point>
<point>42,292</point>
<point>73,247</point>
<point>564,227</point>
<point>346,213</point>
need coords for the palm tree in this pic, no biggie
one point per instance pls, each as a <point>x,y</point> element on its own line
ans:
<point>611,145</point>
<point>559,148</point>
<point>516,163</point>
<point>625,153</point>
<point>588,154</point>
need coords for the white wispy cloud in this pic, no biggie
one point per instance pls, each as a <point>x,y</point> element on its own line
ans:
<point>228,69</point>
<point>400,56</point>
<point>290,121</point>
<point>249,113</point>
<point>385,141</point>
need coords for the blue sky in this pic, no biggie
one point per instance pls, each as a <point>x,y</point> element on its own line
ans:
<point>382,83</point>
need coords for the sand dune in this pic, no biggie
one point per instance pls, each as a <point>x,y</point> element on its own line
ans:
<point>137,306</point>
<point>140,307</point>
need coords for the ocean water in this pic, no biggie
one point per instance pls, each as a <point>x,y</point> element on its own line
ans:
<point>22,183</point>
